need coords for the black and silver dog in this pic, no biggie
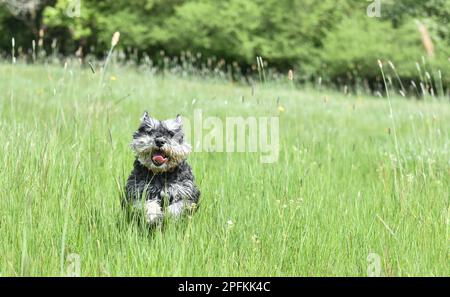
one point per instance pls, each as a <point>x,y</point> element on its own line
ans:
<point>161,181</point>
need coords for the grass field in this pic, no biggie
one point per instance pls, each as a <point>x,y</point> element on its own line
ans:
<point>351,183</point>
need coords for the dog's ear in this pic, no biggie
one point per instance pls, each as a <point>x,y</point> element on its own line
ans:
<point>147,119</point>
<point>179,120</point>
<point>175,124</point>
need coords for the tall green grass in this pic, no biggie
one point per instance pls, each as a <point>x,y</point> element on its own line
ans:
<point>342,188</point>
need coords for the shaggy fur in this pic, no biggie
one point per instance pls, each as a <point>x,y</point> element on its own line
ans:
<point>156,189</point>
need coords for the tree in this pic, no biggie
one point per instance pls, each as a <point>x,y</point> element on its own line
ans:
<point>28,11</point>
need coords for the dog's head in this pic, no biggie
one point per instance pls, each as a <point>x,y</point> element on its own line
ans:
<point>160,145</point>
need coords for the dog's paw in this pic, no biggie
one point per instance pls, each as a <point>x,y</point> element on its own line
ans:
<point>153,212</point>
<point>175,209</point>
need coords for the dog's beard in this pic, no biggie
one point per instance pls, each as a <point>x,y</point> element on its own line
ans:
<point>172,152</point>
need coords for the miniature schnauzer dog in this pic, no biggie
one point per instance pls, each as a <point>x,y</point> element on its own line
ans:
<point>161,181</point>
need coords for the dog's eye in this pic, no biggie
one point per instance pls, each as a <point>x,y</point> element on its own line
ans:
<point>145,130</point>
<point>171,133</point>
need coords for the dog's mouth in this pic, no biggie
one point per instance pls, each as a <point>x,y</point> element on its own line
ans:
<point>159,158</point>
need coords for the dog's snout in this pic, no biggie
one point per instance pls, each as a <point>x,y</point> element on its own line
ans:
<point>159,142</point>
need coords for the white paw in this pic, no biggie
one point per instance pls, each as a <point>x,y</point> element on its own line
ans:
<point>153,212</point>
<point>176,208</point>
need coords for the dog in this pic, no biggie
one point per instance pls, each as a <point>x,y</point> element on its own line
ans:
<point>161,181</point>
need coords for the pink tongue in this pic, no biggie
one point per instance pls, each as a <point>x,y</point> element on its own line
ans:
<point>159,159</point>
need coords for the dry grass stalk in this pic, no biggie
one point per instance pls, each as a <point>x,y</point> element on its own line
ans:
<point>426,40</point>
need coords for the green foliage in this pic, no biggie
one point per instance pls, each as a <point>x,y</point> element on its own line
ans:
<point>315,38</point>
<point>357,43</point>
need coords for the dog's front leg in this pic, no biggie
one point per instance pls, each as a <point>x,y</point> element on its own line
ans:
<point>153,211</point>
<point>176,209</point>
<point>176,205</point>
<point>182,196</point>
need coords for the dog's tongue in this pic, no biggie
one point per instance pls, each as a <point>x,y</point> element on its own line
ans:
<point>159,159</point>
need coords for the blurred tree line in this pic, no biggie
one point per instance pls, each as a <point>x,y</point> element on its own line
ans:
<point>333,40</point>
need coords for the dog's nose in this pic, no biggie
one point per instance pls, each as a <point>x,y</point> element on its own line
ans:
<point>159,142</point>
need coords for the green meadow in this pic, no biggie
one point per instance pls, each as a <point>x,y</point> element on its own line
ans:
<point>360,186</point>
